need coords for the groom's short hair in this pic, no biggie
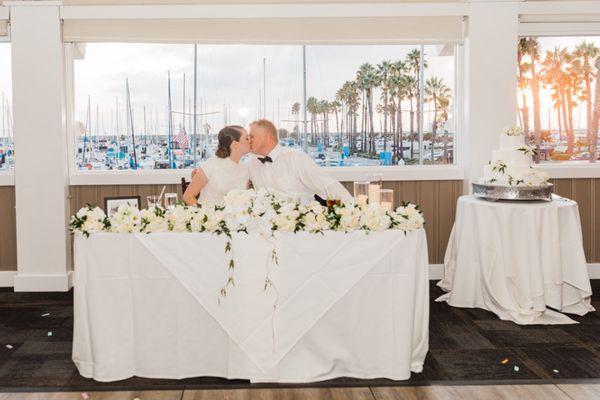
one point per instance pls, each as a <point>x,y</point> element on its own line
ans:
<point>268,126</point>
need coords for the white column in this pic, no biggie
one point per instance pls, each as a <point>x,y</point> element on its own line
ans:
<point>41,174</point>
<point>491,81</point>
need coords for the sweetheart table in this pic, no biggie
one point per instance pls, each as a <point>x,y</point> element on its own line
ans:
<point>341,304</point>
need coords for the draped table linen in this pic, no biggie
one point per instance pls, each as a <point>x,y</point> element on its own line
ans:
<point>517,259</point>
<point>342,304</point>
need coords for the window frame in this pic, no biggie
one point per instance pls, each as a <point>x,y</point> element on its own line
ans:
<point>7,177</point>
<point>453,171</point>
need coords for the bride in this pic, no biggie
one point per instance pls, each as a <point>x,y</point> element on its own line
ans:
<point>218,175</point>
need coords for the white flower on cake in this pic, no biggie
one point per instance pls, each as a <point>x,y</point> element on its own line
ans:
<point>528,150</point>
<point>536,178</point>
<point>513,131</point>
<point>498,166</point>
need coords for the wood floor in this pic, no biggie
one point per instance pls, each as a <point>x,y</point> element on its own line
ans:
<point>499,392</point>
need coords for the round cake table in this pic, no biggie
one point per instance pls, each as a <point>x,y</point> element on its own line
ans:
<point>523,261</point>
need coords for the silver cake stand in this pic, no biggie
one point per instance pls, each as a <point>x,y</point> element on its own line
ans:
<point>520,193</point>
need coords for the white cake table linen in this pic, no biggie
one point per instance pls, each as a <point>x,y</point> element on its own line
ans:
<point>516,259</point>
<point>346,305</point>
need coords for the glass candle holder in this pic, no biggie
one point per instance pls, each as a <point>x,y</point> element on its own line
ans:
<point>170,200</point>
<point>387,199</point>
<point>152,200</point>
<point>361,192</point>
<point>375,184</point>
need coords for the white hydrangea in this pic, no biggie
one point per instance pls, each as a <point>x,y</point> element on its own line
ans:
<point>127,219</point>
<point>178,218</point>
<point>88,220</point>
<point>153,221</point>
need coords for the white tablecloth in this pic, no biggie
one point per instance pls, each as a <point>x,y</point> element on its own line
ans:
<point>347,305</point>
<point>516,259</point>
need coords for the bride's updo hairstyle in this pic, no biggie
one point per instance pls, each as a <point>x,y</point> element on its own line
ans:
<point>228,135</point>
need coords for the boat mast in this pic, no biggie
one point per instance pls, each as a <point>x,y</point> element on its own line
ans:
<point>195,115</point>
<point>305,120</point>
<point>88,124</point>
<point>130,120</point>
<point>145,128</point>
<point>169,152</point>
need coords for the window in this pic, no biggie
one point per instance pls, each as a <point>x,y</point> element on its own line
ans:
<point>559,97</point>
<point>7,150</point>
<point>136,105</point>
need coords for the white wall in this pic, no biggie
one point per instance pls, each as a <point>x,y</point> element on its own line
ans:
<point>41,177</point>
<point>490,81</point>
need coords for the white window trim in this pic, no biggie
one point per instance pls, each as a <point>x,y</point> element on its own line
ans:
<point>173,176</point>
<point>7,178</point>
<point>571,170</point>
<point>183,11</point>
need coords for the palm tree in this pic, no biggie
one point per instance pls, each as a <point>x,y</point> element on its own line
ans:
<point>413,61</point>
<point>335,107</point>
<point>435,89</point>
<point>443,115</point>
<point>523,82</point>
<point>368,79</point>
<point>312,108</point>
<point>295,113</point>
<point>532,48</point>
<point>383,70</point>
<point>574,92</point>
<point>586,53</point>
<point>323,109</point>
<point>554,75</point>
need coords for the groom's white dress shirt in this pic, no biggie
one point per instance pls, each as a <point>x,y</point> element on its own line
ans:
<point>293,173</point>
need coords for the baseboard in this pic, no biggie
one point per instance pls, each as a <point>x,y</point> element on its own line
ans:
<point>43,282</point>
<point>594,270</point>
<point>7,278</point>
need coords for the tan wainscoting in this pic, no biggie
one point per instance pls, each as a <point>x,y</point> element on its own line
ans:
<point>436,198</point>
<point>8,229</point>
<point>586,192</point>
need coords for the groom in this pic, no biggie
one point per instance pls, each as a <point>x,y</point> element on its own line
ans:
<point>288,171</point>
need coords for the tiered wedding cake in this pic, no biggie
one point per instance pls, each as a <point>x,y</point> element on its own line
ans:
<point>512,164</point>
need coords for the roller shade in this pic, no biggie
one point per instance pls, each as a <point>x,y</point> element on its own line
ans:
<point>375,30</point>
<point>559,25</point>
<point>3,27</point>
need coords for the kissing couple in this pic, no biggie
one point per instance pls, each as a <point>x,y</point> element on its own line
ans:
<point>287,171</point>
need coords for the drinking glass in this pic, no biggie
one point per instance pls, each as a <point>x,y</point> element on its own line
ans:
<point>170,200</point>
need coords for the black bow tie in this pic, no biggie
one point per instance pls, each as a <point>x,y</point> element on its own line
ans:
<point>265,159</point>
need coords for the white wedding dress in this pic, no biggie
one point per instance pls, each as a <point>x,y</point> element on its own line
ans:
<point>223,176</point>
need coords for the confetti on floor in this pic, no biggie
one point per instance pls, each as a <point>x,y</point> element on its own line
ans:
<point>8,346</point>
<point>49,333</point>
<point>85,396</point>
<point>46,315</point>
<point>505,361</point>
<point>555,371</point>
<point>516,368</point>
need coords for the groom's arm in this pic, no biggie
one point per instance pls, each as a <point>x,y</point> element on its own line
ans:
<point>317,180</point>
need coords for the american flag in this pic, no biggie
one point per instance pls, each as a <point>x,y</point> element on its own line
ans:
<point>182,138</point>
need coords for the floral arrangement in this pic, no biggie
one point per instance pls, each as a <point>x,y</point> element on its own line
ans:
<point>528,150</point>
<point>249,211</point>
<point>513,131</point>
